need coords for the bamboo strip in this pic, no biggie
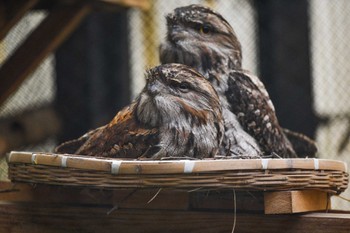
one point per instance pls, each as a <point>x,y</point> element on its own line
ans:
<point>174,166</point>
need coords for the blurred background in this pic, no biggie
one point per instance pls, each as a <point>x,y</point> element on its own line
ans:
<point>298,48</point>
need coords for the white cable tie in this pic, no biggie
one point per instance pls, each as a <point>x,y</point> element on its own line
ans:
<point>9,157</point>
<point>34,159</point>
<point>264,163</point>
<point>345,167</point>
<point>115,167</point>
<point>189,165</point>
<point>64,161</point>
<point>316,164</point>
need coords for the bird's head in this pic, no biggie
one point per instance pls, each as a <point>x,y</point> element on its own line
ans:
<point>176,92</point>
<point>200,37</point>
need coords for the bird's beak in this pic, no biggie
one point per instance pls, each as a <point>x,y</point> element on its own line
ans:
<point>170,19</point>
<point>174,30</point>
<point>153,87</point>
<point>172,23</point>
<point>152,83</point>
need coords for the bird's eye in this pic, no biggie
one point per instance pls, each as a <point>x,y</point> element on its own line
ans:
<point>181,86</point>
<point>205,29</point>
<point>202,28</point>
<point>184,86</point>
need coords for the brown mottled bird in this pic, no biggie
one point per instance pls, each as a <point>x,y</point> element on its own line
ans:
<point>201,38</point>
<point>177,114</point>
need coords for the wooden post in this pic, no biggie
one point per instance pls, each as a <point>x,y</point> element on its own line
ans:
<point>288,202</point>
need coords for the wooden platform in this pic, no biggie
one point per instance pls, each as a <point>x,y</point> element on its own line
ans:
<point>73,193</point>
<point>47,208</point>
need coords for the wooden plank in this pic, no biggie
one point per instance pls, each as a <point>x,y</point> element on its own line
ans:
<point>10,192</point>
<point>288,202</point>
<point>44,208</point>
<point>122,198</point>
<point>275,202</point>
<point>152,199</point>
<point>224,200</point>
<point>44,39</point>
<point>36,218</point>
<point>11,12</point>
<point>132,198</point>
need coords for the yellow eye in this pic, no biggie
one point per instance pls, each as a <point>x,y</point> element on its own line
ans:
<point>204,29</point>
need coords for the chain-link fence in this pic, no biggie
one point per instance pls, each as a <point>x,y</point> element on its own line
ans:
<point>148,29</point>
<point>39,88</point>
<point>329,50</point>
<point>36,91</point>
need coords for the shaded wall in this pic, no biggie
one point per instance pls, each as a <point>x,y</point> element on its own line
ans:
<point>92,73</point>
<point>284,54</point>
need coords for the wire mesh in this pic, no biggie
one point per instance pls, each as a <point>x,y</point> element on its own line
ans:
<point>329,23</point>
<point>148,30</point>
<point>39,88</point>
<point>330,56</point>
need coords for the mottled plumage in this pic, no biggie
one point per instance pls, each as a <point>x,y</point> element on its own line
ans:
<point>177,114</point>
<point>203,39</point>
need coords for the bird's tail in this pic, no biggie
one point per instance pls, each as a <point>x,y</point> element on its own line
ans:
<point>70,147</point>
<point>302,144</point>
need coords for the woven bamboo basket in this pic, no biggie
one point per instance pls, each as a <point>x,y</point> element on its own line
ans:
<point>251,174</point>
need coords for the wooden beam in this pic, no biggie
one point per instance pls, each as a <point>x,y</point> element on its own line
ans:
<point>288,202</point>
<point>123,198</point>
<point>51,209</point>
<point>275,202</point>
<point>44,40</point>
<point>142,4</point>
<point>224,200</point>
<point>19,218</point>
<point>132,198</point>
<point>11,12</point>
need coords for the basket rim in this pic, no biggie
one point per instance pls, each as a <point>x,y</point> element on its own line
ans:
<point>121,166</point>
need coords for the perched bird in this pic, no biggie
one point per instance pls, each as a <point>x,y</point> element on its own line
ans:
<point>201,38</point>
<point>177,114</point>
